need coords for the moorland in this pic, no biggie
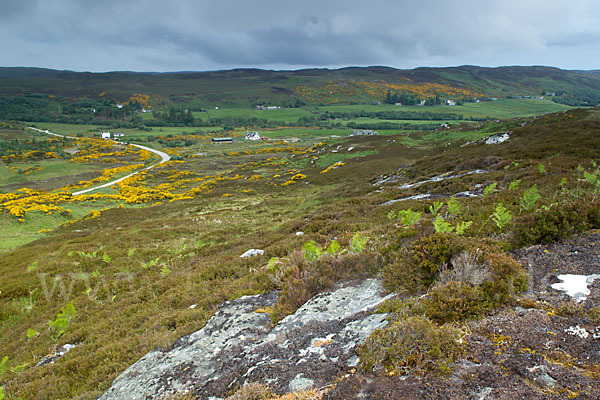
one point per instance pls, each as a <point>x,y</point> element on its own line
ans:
<point>469,169</point>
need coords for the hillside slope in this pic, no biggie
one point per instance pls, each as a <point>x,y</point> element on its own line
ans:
<point>250,86</point>
<point>446,227</point>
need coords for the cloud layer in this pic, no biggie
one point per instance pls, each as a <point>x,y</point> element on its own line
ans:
<point>160,35</point>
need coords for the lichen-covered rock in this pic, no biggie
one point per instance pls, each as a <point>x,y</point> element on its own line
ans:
<point>308,348</point>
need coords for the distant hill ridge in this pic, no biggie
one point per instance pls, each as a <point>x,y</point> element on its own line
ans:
<point>251,86</point>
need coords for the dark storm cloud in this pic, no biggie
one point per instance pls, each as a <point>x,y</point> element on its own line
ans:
<point>199,35</point>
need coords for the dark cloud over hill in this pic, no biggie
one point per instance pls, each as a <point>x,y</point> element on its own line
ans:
<point>199,35</point>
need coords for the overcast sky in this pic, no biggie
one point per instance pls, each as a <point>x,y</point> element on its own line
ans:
<point>200,35</point>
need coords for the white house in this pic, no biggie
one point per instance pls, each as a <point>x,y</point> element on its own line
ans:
<point>252,136</point>
<point>105,135</point>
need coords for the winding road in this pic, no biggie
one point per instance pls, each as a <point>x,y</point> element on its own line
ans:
<point>164,158</point>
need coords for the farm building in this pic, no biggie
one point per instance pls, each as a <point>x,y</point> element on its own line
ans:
<point>105,135</point>
<point>222,140</point>
<point>253,136</point>
<point>364,132</point>
<point>261,107</point>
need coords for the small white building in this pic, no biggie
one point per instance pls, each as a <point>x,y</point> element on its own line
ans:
<point>364,132</point>
<point>252,136</point>
<point>118,135</point>
<point>105,135</point>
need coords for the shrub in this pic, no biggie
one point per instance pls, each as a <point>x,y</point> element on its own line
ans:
<point>300,279</point>
<point>454,301</point>
<point>449,257</point>
<point>402,276</point>
<point>550,225</point>
<point>431,252</point>
<point>252,391</point>
<point>415,270</point>
<point>412,345</point>
<point>507,278</point>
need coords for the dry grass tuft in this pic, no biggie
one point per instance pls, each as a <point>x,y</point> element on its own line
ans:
<point>465,267</point>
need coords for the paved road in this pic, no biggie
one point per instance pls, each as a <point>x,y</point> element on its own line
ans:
<point>164,158</point>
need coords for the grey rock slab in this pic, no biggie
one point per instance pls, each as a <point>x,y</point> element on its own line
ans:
<point>441,177</point>
<point>317,343</point>
<point>311,347</point>
<point>194,357</point>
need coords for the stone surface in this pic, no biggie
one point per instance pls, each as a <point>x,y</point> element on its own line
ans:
<point>308,348</point>
<point>51,358</point>
<point>440,178</point>
<point>253,252</point>
<point>497,139</point>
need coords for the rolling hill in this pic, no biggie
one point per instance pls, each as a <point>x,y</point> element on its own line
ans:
<point>252,86</point>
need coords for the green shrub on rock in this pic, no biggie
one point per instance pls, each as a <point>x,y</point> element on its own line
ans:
<point>252,391</point>
<point>414,344</point>
<point>447,259</point>
<point>431,252</point>
<point>416,270</point>
<point>300,277</point>
<point>550,225</point>
<point>454,301</point>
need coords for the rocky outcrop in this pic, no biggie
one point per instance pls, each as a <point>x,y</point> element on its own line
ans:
<point>236,346</point>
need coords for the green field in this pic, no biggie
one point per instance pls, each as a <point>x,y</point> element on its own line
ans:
<point>16,234</point>
<point>283,115</point>
<point>500,109</point>
<point>49,169</point>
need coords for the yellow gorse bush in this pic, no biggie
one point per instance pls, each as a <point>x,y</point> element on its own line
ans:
<point>336,165</point>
